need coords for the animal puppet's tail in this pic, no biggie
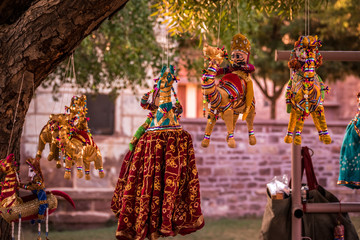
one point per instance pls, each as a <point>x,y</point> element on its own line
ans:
<point>64,195</point>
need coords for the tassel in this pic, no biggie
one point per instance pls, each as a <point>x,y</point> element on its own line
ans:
<point>47,223</point>
<point>39,231</point>
<point>19,227</point>
<point>339,232</point>
<point>12,230</point>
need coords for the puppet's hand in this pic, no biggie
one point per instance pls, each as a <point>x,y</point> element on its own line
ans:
<point>288,108</point>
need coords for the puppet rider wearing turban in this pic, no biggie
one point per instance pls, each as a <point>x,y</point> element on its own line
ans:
<point>240,69</point>
<point>36,185</point>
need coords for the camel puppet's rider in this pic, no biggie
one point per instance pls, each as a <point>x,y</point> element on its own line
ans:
<point>36,185</point>
<point>239,70</point>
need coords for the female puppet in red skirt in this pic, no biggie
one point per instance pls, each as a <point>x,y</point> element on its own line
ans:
<point>157,194</point>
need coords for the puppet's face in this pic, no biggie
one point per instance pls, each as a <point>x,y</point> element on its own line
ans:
<point>31,173</point>
<point>238,57</point>
<point>301,54</point>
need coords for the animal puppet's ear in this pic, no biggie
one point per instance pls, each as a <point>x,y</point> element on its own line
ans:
<point>163,71</point>
<point>158,83</point>
<point>172,69</point>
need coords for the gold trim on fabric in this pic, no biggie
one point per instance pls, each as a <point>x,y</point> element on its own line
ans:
<point>243,75</point>
<point>8,190</point>
<point>346,182</point>
<point>28,208</point>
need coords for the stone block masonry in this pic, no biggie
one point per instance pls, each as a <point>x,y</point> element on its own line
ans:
<point>232,181</point>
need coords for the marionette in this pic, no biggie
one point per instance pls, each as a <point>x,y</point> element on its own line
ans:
<point>36,185</point>
<point>350,153</point>
<point>37,206</point>
<point>234,95</point>
<point>305,91</point>
<point>157,193</point>
<point>70,135</point>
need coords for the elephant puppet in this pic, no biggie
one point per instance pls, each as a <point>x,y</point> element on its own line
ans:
<point>79,148</point>
<point>305,91</point>
<point>234,94</point>
<point>50,134</point>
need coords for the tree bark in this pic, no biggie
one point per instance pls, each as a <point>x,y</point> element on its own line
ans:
<point>30,48</point>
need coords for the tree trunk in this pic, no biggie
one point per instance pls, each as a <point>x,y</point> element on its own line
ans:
<point>30,48</point>
<point>273,108</point>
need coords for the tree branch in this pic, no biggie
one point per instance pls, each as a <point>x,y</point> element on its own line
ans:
<point>49,31</point>
<point>263,90</point>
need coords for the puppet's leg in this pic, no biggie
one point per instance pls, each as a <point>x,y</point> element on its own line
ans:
<point>68,165</point>
<point>325,137</point>
<point>250,126</point>
<point>98,163</point>
<point>87,170</point>
<point>228,117</point>
<point>292,121</point>
<point>41,144</point>
<point>298,128</point>
<point>209,128</point>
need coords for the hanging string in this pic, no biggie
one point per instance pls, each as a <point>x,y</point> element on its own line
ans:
<point>308,15</point>
<point>34,106</point>
<point>17,105</point>
<point>305,17</point>
<point>67,71</point>
<point>167,49</point>
<point>47,223</point>
<point>19,227</point>
<point>73,66</point>
<point>162,48</point>
<point>238,18</point>
<point>74,72</point>
<point>39,230</point>
<point>13,230</point>
<point>218,38</point>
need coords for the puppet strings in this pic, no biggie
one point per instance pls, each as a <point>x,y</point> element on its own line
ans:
<point>238,18</point>
<point>17,106</point>
<point>67,72</point>
<point>167,48</point>
<point>218,38</point>
<point>307,18</point>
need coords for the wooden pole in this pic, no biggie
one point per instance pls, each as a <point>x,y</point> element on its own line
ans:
<point>281,55</point>
<point>331,207</point>
<point>297,208</point>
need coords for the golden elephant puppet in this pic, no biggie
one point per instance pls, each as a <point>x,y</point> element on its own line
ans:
<point>70,135</point>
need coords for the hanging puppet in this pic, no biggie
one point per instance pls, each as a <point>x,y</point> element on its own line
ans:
<point>70,135</point>
<point>305,91</point>
<point>157,194</point>
<point>36,185</point>
<point>234,95</point>
<point>350,153</point>
<point>32,207</point>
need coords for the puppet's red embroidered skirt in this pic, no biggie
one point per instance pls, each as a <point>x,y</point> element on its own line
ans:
<point>158,193</point>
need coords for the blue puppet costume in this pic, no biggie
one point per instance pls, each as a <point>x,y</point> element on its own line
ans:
<point>350,153</point>
<point>36,185</point>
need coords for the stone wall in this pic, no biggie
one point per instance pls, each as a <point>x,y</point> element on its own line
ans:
<point>232,181</point>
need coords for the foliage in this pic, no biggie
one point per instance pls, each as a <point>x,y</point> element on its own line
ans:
<point>117,55</point>
<point>336,23</point>
<point>197,16</point>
